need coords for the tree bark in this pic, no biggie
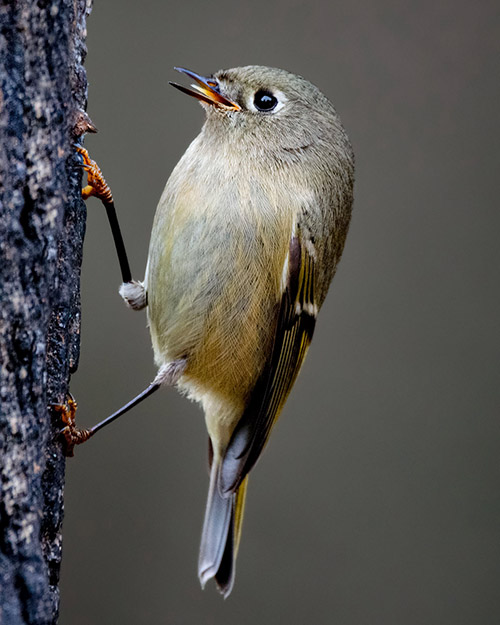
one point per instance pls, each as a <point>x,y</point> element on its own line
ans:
<point>43,92</point>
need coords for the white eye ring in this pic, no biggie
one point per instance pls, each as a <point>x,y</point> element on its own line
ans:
<point>278,95</point>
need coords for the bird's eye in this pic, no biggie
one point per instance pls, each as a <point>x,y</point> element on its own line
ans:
<point>265,101</point>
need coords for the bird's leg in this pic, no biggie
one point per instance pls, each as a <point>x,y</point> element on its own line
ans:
<point>132,291</point>
<point>168,375</point>
<point>76,436</point>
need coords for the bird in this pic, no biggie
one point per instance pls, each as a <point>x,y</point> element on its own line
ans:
<point>246,239</point>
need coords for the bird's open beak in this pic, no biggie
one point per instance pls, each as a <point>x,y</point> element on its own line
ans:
<point>207,90</point>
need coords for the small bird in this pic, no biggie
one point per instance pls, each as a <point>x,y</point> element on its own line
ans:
<point>245,242</point>
<point>246,239</point>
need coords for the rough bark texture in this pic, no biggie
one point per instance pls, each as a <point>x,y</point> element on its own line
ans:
<point>42,222</point>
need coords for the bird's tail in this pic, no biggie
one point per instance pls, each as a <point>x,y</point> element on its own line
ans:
<point>221,533</point>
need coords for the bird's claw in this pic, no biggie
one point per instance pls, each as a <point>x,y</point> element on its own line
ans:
<point>96,184</point>
<point>72,435</point>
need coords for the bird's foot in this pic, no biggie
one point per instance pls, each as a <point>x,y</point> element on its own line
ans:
<point>96,185</point>
<point>72,435</point>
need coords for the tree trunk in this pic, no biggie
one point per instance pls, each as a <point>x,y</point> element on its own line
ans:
<point>43,93</point>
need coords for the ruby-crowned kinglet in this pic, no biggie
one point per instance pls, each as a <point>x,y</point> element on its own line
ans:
<point>245,242</point>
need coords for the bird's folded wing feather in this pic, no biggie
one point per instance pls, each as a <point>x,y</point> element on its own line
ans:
<point>294,330</point>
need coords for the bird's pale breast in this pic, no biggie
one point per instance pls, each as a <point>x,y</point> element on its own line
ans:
<point>214,275</point>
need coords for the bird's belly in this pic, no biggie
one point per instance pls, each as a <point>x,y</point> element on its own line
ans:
<point>212,297</point>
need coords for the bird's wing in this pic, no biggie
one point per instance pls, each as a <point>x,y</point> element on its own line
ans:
<point>294,330</point>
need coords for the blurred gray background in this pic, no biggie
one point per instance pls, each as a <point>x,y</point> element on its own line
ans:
<point>377,500</point>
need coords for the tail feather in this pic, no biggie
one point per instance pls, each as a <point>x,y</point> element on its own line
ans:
<point>239,511</point>
<point>221,534</point>
<point>227,569</point>
<point>215,529</point>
